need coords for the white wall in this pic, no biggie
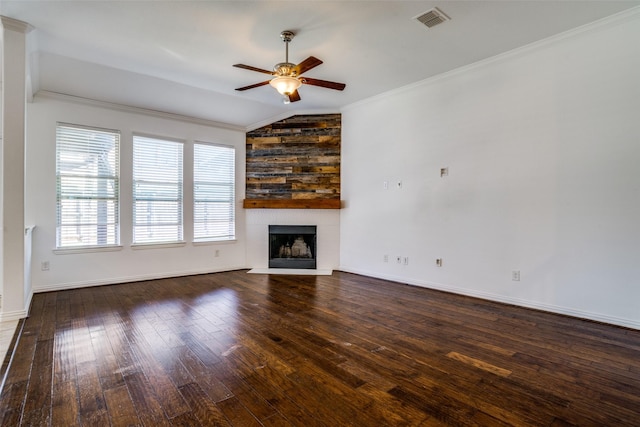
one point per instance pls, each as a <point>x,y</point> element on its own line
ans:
<point>543,151</point>
<point>75,270</point>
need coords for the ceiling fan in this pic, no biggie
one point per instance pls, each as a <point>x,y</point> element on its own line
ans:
<point>288,77</point>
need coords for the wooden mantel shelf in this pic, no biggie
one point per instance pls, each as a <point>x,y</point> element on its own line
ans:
<point>292,204</point>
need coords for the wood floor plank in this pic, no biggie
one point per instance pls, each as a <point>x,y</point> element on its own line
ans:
<point>237,349</point>
<point>206,379</point>
<point>160,383</point>
<point>237,414</point>
<point>480,364</point>
<point>90,396</point>
<point>39,390</point>
<point>64,404</point>
<point>148,408</point>
<point>205,410</point>
<point>120,407</point>
<point>21,366</point>
<point>106,362</point>
<point>48,316</point>
<point>186,419</point>
<point>284,401</point>
<point>12,403</point>
<point>276,420</point>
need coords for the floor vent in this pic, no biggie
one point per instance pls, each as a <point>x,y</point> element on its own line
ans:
<point>432,17</point>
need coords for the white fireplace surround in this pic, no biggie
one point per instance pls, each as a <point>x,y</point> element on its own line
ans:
<point>328,235</point>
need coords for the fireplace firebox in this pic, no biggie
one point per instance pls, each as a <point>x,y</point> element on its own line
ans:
<point>292,246</point>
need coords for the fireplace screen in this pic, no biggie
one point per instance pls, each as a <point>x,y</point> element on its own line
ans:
<point>292,246</point>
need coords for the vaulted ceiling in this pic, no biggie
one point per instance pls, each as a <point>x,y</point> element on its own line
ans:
<point>177,56</point>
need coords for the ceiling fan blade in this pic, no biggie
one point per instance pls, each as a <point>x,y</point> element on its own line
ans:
<point>294,97</point>
<point>306,65</point>
<point>253,85</point>
<point>323,83</point>
<point>250,68</point>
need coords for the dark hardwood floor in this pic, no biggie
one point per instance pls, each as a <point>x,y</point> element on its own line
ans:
<point>255,350</point>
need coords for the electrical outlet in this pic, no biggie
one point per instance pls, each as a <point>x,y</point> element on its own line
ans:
<point>515,275</point>
<point>44,266</point>
<point>439,262</point>
<point>444,172</point>
<point>385,258</point>
<point>405,260</point>
<point>399,259</point>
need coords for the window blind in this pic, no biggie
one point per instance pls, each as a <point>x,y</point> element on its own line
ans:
<point>157,190</point>
<point>213,192</point>
<point>87,186</point>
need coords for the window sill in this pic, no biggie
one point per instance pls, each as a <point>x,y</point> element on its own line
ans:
<point>142,246</point>
<point>86,249</point>
<point>212,242</point>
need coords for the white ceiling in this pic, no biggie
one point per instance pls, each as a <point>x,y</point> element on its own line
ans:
<point>177,56</point>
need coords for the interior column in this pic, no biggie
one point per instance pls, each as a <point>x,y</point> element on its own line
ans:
<point>15,295</point>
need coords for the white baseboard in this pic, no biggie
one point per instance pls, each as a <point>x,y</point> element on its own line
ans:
<point>126,279</point>
<point>17,314</point>
<point>598,317</point>
<point>13,315</point>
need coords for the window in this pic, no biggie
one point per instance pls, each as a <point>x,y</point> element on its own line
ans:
<point>213,192</point>
<point>157,190</point>
<point>87,186</point>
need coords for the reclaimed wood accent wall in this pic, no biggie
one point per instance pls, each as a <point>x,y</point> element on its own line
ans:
<point>295,163</point>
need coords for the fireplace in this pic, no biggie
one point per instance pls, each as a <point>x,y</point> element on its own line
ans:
<point>292,246</point>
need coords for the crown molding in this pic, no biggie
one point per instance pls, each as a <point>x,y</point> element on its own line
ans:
<point>135,110</point>
<point>15,25</point>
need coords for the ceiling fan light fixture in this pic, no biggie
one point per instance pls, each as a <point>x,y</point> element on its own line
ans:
<point>287,77</point>
<point>285,85</point>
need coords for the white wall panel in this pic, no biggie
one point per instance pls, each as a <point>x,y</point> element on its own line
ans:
<point>543,149</point>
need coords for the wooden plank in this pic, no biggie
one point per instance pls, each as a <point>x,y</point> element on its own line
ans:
<point>267,180</point>
<point>206,379</point>
<point>237,413</point>
<point>12,403</point>
<point>204,410</point>
<point>64,405</point>
<point>90,392</point>
<point>148,408</point>
<point>313,195</point>
<point>120,408</point>
<point>479,364</point>
<point>292,204</point>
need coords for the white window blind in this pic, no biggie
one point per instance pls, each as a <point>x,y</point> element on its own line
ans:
<point>157,190</point>
<point>213,192</point>
<point>87,186</point>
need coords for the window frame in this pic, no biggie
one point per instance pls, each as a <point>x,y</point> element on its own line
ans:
<point>180,223</point>
<point>229,204</point>
<point>80,191</point>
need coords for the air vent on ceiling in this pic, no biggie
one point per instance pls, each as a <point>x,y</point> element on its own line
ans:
<point>432,17</point>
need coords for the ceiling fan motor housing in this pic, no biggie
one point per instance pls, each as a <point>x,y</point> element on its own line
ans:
<point>285,69</point>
